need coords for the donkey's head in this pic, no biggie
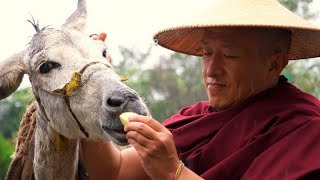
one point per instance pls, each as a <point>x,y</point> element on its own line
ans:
<point>76,88</point>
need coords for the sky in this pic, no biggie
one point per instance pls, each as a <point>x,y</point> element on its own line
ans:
<point>127,22</point>
<point>130,23</point>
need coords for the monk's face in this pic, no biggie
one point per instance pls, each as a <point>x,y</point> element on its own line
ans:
<point>233,67</point>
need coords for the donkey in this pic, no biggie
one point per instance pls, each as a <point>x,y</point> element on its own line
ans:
<point>78,94</point>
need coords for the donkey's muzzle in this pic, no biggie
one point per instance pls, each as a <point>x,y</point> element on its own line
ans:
<point>120,98</point>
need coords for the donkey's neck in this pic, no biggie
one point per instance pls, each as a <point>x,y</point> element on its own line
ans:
<point>51,159</point>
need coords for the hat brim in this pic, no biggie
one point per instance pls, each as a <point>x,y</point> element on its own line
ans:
<point>305,42</point>
<point>186,37</point>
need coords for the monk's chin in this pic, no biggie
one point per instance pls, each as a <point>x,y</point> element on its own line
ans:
<point>219,105</point>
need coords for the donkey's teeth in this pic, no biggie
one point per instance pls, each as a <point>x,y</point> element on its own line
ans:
<point>124,117</point>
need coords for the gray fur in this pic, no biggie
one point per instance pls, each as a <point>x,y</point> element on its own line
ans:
<point>39,41</point>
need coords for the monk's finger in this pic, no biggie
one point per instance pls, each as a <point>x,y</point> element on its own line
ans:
<point>137,146</point>
<point>142,129</point>
<point>149,121</point>
<point>139,138</point>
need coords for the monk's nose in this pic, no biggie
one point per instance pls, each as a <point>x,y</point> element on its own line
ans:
<point>215,66</point>
<point>119,98</point>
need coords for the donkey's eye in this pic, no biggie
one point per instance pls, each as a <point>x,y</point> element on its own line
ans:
<point>46,67</point>
<point>104,53</point>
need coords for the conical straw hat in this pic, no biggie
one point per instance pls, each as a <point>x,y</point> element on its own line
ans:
<point>186,38</point>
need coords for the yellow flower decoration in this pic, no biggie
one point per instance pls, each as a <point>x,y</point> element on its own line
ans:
<point>73,84</point>
<point>123,78</point>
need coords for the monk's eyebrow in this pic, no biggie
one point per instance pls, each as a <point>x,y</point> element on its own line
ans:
<point>228,45</point>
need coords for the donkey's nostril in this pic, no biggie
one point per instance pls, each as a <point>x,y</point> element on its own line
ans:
<point>115,101</point>
<point>120,97</point>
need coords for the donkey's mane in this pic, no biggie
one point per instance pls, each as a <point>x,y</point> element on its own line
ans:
<point>35,24</point>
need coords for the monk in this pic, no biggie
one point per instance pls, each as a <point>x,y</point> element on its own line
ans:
<point>255,124</point>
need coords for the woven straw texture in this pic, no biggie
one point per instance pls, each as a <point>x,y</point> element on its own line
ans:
<point>186,37</point>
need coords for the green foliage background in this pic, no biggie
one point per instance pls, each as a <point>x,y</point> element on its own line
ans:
<point>173,82</point>
<point>11,111</point>
<point>6,150</point>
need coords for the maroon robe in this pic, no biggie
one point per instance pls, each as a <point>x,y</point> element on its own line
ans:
<point>274,135</point>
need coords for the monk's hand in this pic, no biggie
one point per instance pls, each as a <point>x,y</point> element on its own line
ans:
<point>101,37</point>
<point>155,146</point>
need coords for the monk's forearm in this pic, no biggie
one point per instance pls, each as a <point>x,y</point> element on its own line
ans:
<point>101,159</point>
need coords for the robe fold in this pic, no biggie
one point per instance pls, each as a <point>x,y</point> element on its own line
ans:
<point>273,135</point>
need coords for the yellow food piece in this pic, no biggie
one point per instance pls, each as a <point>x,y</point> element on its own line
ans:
<point>124,117</point>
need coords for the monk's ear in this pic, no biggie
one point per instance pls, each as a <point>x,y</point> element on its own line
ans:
<point>277,63</point>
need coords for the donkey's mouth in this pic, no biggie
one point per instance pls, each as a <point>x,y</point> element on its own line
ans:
<point>121,131</point>
<point>117,135</point>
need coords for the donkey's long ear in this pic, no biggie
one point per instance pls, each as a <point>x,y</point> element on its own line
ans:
<point>11,74</point>
<point>78,19</point>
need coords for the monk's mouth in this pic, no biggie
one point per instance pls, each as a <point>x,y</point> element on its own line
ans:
<point>215,84</point>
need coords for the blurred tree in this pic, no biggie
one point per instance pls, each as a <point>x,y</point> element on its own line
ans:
<point>11,111</point>
<point>301,7</point>
<point>6,150</point>
<point>175,82</point>
<point>303,73</point>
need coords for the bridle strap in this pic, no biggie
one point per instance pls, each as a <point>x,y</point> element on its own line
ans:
<point>42,108</point>
<point>66,99</point>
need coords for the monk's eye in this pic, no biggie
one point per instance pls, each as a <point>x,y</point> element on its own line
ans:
<point>47,66</point>
<point>104,53</point>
